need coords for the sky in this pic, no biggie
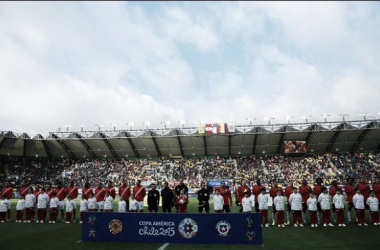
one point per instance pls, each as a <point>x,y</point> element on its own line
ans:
<point>88,63</point>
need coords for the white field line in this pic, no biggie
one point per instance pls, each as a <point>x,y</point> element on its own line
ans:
<point>163,246</point>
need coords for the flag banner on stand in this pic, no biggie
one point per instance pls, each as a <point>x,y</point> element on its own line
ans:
<point>201,129</point>
<point>231,128</point>
<point>228,228</point>
<point>213,128</point>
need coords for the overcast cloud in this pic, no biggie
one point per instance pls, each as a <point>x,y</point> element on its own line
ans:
<point>120,62</point>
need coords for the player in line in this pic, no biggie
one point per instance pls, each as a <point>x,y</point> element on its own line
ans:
<point>280,206</point>
<point>338,201</point>
<point>313,209</point>
<point>324,200</point>
<point>373,204</point>
<point>273,194</point>
<point>359,204</point>
<point>263,200</point>
<point>218,202</point>
<point>295,200</point>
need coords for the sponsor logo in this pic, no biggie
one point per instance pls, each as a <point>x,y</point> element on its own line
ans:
<point>92,220</point>
<point>91,233</point>
<point>115,226</point>
<point>223,228</point>
<point>250,235</point>
<point>249,222</point>
<point>188,228</point>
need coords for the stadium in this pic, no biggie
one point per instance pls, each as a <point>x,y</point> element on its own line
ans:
<point>157,147</point>
<point>179,165</point>
<point>320,137</point>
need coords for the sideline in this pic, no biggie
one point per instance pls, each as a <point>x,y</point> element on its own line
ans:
<point>163,246</point>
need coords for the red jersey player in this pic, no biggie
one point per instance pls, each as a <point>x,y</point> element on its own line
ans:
<point>125,193</point>
<point>226,193</point>
<point>139,194</point>
<point>23,190</point>
<point>305,191</point>
<point>288,192</point>
<point>87,191</point>
<point>376,188</point>
<point>256,191</point>
<point>111,189</point>
<point>364,190</point>
<point>36,193</point>
<point>350,190</point>
<point>61,195</point>
<point>243,188</point>
<point>100,193</point>
<point>8,192</point>
<point>49,190</point>
<point>273,194</point>
<point>317,191</point>
<point>72,191</point>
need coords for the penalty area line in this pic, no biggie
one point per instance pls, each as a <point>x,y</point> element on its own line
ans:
<point>163,246</point>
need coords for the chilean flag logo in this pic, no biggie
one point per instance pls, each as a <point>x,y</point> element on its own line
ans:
<point>223,228</point>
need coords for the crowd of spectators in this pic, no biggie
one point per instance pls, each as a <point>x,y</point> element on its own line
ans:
<point>282,168</point>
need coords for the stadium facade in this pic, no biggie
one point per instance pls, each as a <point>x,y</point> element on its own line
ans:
<point>320,137</point>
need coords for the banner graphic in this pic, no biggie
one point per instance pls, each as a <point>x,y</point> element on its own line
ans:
<point>228,228</point>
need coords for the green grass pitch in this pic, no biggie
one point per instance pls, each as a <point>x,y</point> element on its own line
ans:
<point>67,236</point>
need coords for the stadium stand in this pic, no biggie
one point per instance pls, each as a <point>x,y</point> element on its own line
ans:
<point>193,171</point>
<point>334,151</point>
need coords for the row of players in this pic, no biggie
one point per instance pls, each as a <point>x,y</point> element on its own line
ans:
<point>295,203</point>
<point>169,197</point>
<point>43,203</point>
<point>305,192</point>
<point>296,206</point>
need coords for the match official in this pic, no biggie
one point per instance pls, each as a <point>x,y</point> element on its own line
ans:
<point>167,196</point>
<point>153,199</point>
<point>203,199</point>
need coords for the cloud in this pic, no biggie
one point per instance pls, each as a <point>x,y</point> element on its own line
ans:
<point>197,30</point>
<point>103,63</point>
<point>70,73</point>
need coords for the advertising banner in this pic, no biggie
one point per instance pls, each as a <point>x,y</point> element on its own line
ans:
<point>295,147</point>
<point>217,183</point>
<point>173,228</point>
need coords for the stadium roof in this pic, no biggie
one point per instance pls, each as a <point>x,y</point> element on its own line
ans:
<point>361,135</point>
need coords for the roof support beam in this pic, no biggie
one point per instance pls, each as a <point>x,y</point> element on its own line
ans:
<point>205,144</point>
<point>2,142</point>
<point>332,141</point>
<point>155,145</point>
<point>180,144</point>
<point>109,146</point>
<point>254,144</point>
<point>47,150</point>
<point>308,137</point>
<point>229,144</point>
<point>63,145</point>
<point>89,150</point>
<point>359,140</point>
<point>23,148</point>
<point>280,143</point>
<point>133,147</point>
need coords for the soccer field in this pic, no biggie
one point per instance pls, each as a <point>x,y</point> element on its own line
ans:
<point>68,236</point>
